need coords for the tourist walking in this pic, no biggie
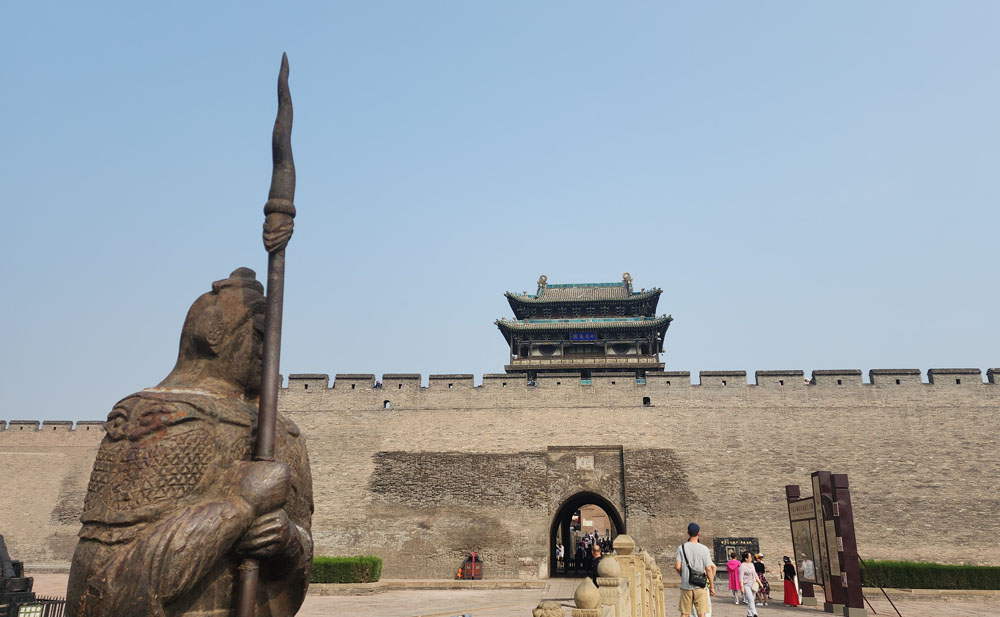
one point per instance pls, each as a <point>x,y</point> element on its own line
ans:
<point>764,593</point>
<point>595,553</point>
<point>733,567</point>
<point>694,564</point>
<point>748,579</point>
<point>791,586</point>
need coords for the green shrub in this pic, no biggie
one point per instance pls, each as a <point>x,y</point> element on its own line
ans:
<point>924,575</point>
<point>363,569</point>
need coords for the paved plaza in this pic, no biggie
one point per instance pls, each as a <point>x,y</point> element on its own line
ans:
<point>519,602</point>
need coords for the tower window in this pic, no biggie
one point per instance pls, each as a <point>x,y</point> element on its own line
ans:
<point>450,386</point>
<point>723,382</point>
<point>305,386</point>
<point>352,386</point>
<point>958,381</point>
<point>386,405</point>
<point>399,387</point>
<point>839,382</point>
<point>897,382</point>
<point>645,401</point>
<point>781,382</point>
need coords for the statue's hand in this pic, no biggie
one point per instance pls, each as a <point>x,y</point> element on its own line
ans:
<point>269,536</point>
<point>265,485</point>
<point>278,228</point>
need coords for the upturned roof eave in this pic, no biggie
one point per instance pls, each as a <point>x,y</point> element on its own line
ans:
<point>520,303</point>
<point>634,297</point>
<point>661,323</point>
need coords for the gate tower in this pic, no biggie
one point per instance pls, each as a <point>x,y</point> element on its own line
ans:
<point>584,327</point>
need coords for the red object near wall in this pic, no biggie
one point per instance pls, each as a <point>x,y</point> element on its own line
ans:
<point>472,569</point>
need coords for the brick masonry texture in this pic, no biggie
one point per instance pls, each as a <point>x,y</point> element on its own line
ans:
<point>442,470</point>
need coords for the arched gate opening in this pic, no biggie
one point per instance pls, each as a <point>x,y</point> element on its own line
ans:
<point>569,526</point>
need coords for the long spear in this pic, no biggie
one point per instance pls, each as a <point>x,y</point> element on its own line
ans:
<point>279,212</point>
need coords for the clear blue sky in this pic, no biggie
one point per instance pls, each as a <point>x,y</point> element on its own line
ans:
<point>813,185</point>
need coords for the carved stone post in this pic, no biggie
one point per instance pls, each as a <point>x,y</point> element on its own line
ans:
<point>588,600</point>
<point>658,594</point>
<point>613,587</point>
<point>632,569</point>
<point>653,588</point>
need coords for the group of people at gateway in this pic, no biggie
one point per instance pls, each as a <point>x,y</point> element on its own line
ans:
<point>582,557</point>
<point>747,578</point>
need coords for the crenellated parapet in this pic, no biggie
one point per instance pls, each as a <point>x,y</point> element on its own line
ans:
<point>359,391</point>
<point>316,391</point>
<point>50,426</point>
<point>822,378</point>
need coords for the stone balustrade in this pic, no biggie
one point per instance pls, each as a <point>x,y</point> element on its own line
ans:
<point>629,584</point>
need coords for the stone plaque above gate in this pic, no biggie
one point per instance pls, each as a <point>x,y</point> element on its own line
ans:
<point>585,469</point>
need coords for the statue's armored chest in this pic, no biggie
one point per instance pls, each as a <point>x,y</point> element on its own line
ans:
<point>158,450</point>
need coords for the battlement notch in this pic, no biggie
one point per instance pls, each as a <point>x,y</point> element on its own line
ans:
<point>492,381</point>
<point>894,376</point>
<point>779,379</point>
<point>954,376</point>
<point>722,379</point>
<point>354,381</point>
<point>308,381</point>
<point>401,381</point>
<point>451,381</point>
<point>836,377</point>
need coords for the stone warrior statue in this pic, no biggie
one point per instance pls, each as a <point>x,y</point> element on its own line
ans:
<point>174,501</point>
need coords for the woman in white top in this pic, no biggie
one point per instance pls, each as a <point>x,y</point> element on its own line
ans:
<point>749,576</point>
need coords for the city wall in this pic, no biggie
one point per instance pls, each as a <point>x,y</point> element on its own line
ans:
<point>421,475</point>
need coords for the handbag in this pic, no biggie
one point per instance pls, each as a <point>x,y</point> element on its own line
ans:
<point>755,587</point>
<point>698,579</point>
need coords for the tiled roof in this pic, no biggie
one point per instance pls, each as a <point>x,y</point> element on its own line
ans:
<point>616,323</point>
<point>608,291</point>
<point>584,293</point>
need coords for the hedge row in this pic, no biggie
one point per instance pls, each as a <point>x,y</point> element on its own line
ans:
<point>921,575</point>
<point>363,569</point>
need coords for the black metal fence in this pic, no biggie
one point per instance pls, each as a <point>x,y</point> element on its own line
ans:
<point>41,606</point>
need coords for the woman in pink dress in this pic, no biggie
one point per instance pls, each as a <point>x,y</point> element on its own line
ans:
<point>733,567</point>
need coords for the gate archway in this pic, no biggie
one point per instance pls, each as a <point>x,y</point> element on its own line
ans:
<point>560,528</point>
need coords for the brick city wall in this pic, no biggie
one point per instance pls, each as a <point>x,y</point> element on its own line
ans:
<point>422,475</point>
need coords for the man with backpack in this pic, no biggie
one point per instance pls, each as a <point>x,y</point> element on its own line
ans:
<point>694,564</point>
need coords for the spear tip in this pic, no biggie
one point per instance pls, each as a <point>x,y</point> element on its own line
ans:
<point>283,175</point>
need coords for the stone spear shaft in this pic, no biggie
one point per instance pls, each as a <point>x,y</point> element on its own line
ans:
<point>279,212</point>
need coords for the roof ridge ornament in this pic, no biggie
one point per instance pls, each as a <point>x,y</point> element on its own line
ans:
<point>627,279</point>
<point>542,282</point>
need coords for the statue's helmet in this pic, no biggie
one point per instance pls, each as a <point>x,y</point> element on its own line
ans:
<point>223,332</point>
